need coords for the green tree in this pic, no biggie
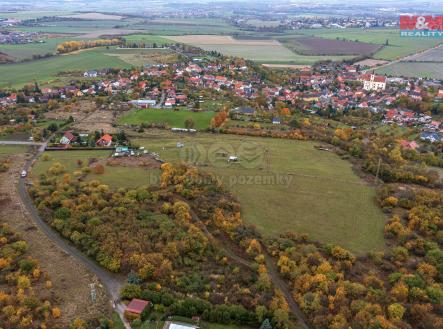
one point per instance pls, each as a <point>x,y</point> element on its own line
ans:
<point>266,324</point>
<point>189,123</point>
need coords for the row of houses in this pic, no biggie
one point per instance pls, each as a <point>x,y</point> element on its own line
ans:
<point>68,138</point>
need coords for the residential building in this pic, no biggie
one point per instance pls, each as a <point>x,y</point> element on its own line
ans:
<point>373,82</point>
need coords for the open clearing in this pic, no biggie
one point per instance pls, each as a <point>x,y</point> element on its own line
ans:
<point>93,16</point>
<point>321,46</point>
<point>114,176</point>
<point>172,118</point>
<point>324,197</point>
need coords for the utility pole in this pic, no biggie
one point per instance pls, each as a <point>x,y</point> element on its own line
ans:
<point>267,160</point>
<point>378,171</point>
<point>93,292</point>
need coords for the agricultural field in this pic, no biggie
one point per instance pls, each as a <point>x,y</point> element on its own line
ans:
<point>432,55</point>
<point>320,46</point>
<point>26,51</point>
<point>93,16</point>
<point>47,70</point>
<point>186,26</point>
<point>396,46</point>
<point>371,62</point>
<point>413,69</point>
<point>148,39</point>
<point>268,51</point>
<point>172,118</point>
<point>32,14</point>
<point>262,23</point>
<point>319,195</point>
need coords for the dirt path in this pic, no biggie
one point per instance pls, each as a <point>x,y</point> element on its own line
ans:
<point>273,272</point>
<point>71,280</point>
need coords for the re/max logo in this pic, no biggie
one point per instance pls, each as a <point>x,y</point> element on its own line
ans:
<point>421,26</point>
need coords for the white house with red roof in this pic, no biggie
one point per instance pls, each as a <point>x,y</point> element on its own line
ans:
<point>373,82</point>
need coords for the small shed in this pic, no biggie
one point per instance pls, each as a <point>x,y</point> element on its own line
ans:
<point>137,306</point>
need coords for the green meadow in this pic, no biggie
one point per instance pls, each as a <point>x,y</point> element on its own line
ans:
<point>172,118</point>
<point>47,70</point>
<point>115,177</point>
<point>318,192</point>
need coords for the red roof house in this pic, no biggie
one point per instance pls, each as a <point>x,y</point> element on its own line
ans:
<point>67,138</point>
<point>409,145</point>
<point>105,140</point>
<point>137,306</point>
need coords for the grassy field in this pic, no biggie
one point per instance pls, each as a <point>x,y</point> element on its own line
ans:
<point>26,51</point>
<point>323,198</point>
<point>46,70</point>
<point>397,46</point>
<point>114,176</point>
<point>293,188</point>
<point>414,69</point>
<point>172,118</point>
<point>12,149</point>
<point>140,57</point>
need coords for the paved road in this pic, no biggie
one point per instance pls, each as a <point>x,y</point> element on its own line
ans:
<point>21,143</point>
<point>111,281</point>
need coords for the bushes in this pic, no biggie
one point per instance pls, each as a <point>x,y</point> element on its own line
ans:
<point>24,301</point>
<point>131,291</point>
<point>190,307</point>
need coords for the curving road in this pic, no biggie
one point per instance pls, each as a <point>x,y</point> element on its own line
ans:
<point>112,282</point>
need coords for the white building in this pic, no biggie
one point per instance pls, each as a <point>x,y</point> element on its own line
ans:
<point>373,82</point>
